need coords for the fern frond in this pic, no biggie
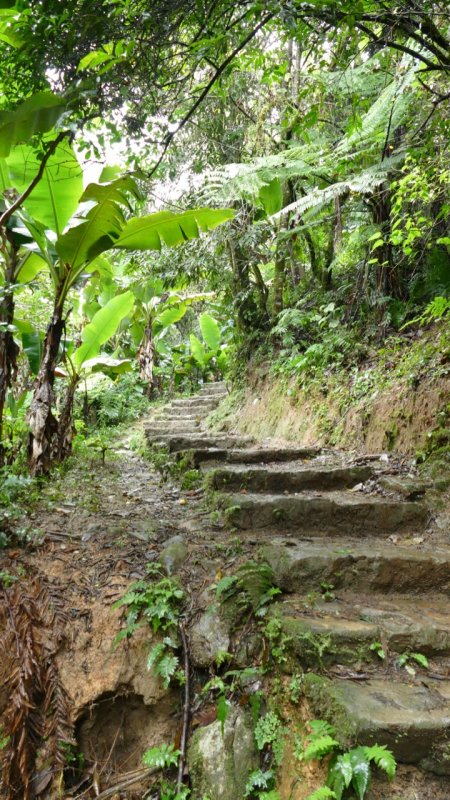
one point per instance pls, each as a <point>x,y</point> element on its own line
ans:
<point>383,758</point>
<point>324,793</point>
<point>319,748</point>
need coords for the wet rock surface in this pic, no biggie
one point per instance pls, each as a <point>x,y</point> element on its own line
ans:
<point>220,763</point>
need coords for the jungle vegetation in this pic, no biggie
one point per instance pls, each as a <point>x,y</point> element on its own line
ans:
<point>295,155</point>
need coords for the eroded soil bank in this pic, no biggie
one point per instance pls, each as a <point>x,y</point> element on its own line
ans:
<point>391,402</point>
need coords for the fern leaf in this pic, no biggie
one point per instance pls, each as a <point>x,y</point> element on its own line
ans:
<point>383,758</point>
<point>324,793</point>
<point>319,748</point>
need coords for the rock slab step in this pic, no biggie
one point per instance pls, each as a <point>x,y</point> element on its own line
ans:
<point>331,512</point>
<point>413,720</point>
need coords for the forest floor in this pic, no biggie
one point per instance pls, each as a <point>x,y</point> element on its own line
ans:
<point>96,527</point>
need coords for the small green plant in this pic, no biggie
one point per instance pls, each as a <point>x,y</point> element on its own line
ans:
<point>348,771</point>
<point>161,757</point>
<point>318,743</point>
<point>252,585</point>
<point>405,659</point>
<point>295,687</point>
<point>327,591</point>
<point>278,640</point>
<point>7,579</point>
<point>261,785</point>
<point>3,739</point>
<point>269,732</point>
<point>191,479</point>
<point>73,757</point>
<point>169,791</point>
<point>378,649</point>
<point>159,604</point>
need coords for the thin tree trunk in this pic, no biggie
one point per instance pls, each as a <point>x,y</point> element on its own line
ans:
<point>334,242</point>
<point>66,429</point>
<point>42,422</point>
<point>387,283</point>
<point>8,348</point>
<point>147,358</point>
<point>247,312</point>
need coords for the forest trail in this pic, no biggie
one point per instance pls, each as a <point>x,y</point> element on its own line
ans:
<point>364,574</point>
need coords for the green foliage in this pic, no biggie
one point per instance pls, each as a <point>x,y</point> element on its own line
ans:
<point>378,648</point>
<point>161,757</point>
<point>278,640</point>
<point>102,326</point>
<point>261,785</point>
<point>269,732</point>
<point>408,658</point>
<point>436,310</point>
<point>110,402</point>
<point>55,198</point>
<point>324,793</point>
<point>157,603</point>
<point>36,115</point>
<point>151,232</point>
<point>252,585</point>
<point>348,771</point>
<point>319,742</point>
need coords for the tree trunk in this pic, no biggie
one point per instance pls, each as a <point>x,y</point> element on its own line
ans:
<point>147,359</point>
<point>66,429</point>
<point>42,422</point>
<point>8,348</point>
<point>246,308</point>
<point>334,242</point>
<point>387,279</point>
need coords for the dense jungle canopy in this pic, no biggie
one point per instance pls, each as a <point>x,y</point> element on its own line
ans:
<point>321,128</point>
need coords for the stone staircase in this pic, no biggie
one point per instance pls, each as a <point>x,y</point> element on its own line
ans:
<point>364,575</point>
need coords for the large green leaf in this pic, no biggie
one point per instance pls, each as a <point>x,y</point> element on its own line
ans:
<point>38,114</point>
<point>169,316</point>
<point>271,195</point>
<point>30,266</point>
<point>108,365</point>
<point>210,331</point>
<point>151,232</point>
<point>98,222</point>
<point>55,198</point>
<point>197,350</point>
<point>103,325</point>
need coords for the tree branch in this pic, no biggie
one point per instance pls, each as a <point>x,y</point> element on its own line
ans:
<point>205,91</point>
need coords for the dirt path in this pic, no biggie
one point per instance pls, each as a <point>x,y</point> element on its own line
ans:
<point>362,568</point>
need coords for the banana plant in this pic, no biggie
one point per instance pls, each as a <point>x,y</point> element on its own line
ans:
<point>36,117</point>
<point>86,358</point>
<point>98,225</point>
<point>157,312</point>
<point>210,349</point>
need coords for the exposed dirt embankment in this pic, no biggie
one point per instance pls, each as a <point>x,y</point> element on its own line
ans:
<point>390,403</point>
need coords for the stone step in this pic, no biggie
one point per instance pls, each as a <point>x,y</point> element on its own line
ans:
<point>195,441</point>
<point>178,414</point>
<point>206,403</point>
<point>262,455</point>
<point>349,513</point>
<point>342,630</point>
<point>158,426</point>
<point>369,566</point>
<point>412,719</point>
<point>292,479</point>
<point>216,387</point>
